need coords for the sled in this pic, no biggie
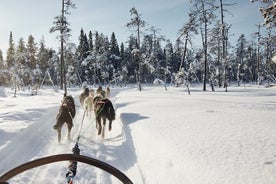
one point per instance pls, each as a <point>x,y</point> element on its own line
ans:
<point>65,157</point>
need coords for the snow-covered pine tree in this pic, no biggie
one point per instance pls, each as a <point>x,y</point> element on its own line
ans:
<point>61,24</point>
<point>82,53</point>
<point>1,60</point>
<point>115,65</point>
<point>137,24</point>
<point>43,56</point>
<point>31,52</point>
<point>10,52</point>
<point>90,41</point>
<point>205,15</point>
<point>22,67</point>
<point>240,57</point>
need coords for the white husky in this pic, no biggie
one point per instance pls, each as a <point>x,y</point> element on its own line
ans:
<point>88,103</point>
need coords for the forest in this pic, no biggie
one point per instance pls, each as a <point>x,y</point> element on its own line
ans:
<point>147,57</point>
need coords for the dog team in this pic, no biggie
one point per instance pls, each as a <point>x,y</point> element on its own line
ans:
<point>87,97</point>
<point>92,101</point>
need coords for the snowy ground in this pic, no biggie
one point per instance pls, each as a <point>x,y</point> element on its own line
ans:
<point>158,136</point>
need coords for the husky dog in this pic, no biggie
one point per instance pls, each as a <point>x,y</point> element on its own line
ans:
<point>107,93</point>
<point>67,112</point>
<point>100,91</point>
<point>104,93</point>
<point>88,103</point>
<point>103,109</point>
<point>83,95</point>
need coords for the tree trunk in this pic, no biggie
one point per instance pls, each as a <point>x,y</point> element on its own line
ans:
<point>205,51</point>
<point>61,48</point>
<point>224,45</point>
<point>63,70</point>
<point>184,53</point>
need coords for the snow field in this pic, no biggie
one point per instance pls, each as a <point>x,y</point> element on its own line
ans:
<point>158,136</point>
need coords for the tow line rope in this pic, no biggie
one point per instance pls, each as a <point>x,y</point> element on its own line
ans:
<point>81,125</point>
<point>94,119</point>
<point>72,168</point>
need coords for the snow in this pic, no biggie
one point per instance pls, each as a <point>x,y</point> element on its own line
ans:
<point>274,59</point>
<point>158,136</point>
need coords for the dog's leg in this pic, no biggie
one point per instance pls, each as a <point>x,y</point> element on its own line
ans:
<point>99,125</point>
<point>69,126</point>
<point>69,133</point>
<point>59,135</point>
<point>58,128</point>
<point>110,125</point>
<point>103,131</point>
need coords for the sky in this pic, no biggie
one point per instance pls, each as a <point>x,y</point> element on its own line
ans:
<point>158,136</point>
<point>35,17</point>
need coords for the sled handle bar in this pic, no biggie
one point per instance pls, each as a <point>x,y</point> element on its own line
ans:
<point>65,157</point>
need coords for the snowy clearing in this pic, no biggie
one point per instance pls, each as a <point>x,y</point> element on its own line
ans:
<point>158,136</point>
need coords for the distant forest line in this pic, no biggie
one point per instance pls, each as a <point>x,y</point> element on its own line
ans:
<point>147,56</point>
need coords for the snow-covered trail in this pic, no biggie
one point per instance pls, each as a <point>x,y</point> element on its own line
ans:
<point>158,137</point>
<point>43,142</point>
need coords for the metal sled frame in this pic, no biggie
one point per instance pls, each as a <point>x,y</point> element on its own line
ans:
<point>65,157</point>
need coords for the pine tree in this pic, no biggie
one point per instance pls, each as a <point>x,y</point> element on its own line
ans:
<point>130,64</point>
<point>106,66</point>
<point>168,62</point>
<point>177,56</point>
<point>10,58</point>
<point>114,52</point>
<point>83,46</point>
<point>21,57</point>
<point>31,51</point>
<point>186,31</point>
<point>240,56</point>
<point>137,24</point>
<point>268,10</point>
<point>61,24</point>
<point>123,61</point>
<point>22,67</point>
<point>43,56</point>
<point>90,41</point>
<point>205,14</point>
<point>1,60</point>
<point>83,65</point>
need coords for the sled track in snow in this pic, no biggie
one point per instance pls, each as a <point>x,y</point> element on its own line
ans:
<point>254,106</point>
<point>269,106</point>
<point>116,149</point>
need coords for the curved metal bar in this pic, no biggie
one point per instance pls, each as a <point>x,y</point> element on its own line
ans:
<point>65,157</point>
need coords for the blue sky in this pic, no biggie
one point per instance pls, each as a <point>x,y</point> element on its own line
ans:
<point>106,16</point>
